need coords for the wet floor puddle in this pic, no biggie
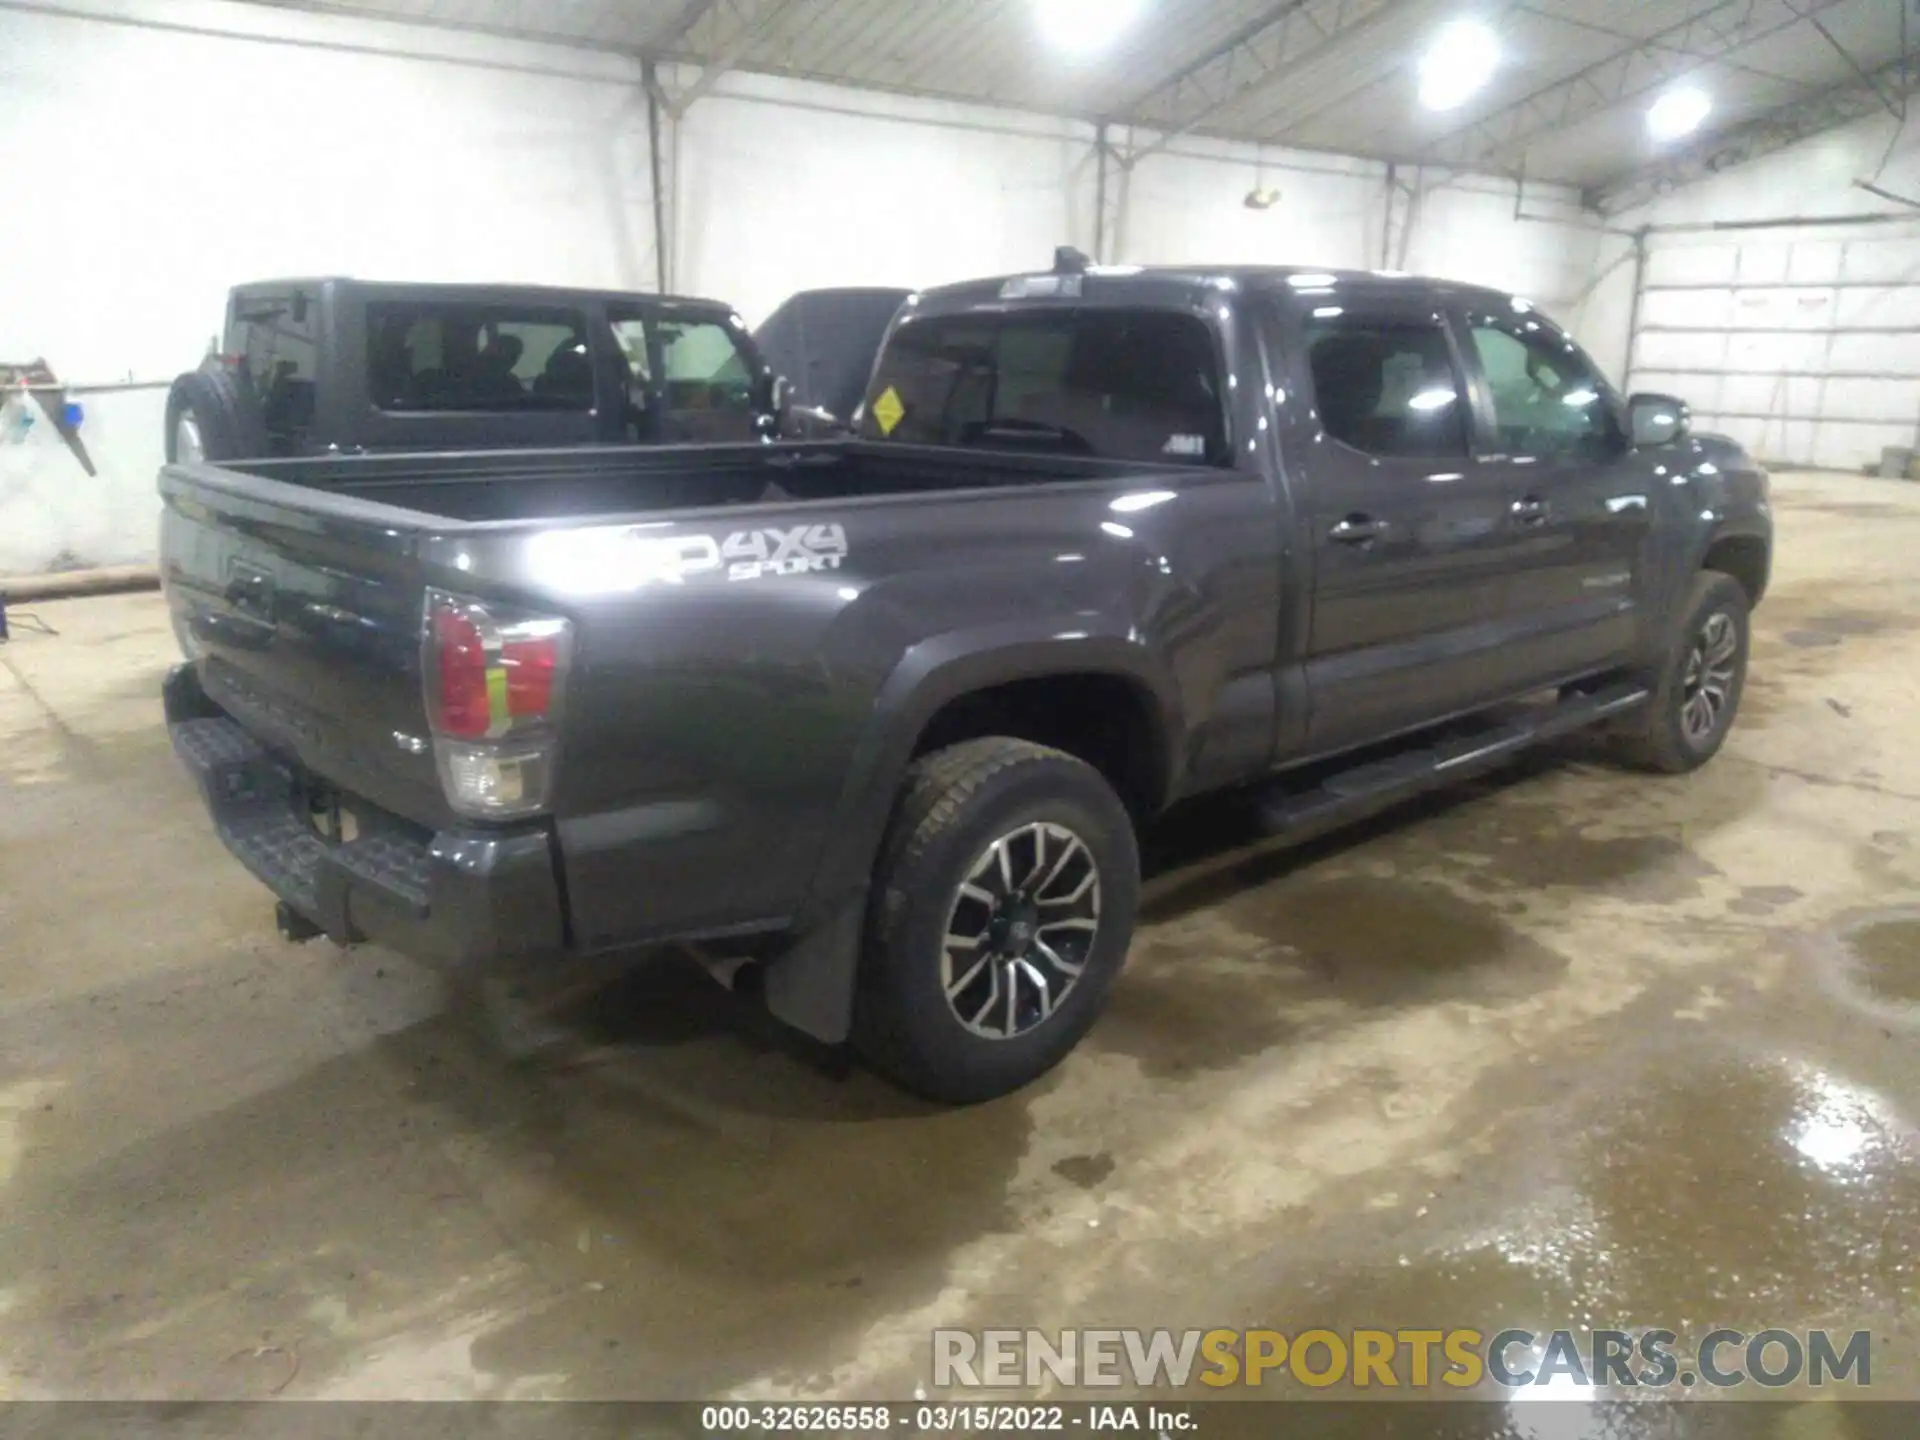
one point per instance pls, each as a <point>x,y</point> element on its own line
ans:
<point>1886,958</point>
<point>1750,1193</point>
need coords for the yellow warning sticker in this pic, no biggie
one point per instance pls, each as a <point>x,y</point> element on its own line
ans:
<point>889,410</point>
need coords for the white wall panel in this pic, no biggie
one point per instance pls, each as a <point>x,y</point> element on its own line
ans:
<point>1836,443</point>
<point>1876,354</point>
<point>1670,350</point>
<point>1814,262</point>
<point>1187,204</point>
<point>1692,265</point>
<point>785,186</point>
<point>1882,401</point>
<point>1785,332</point>
<point>1888,261</point>
<point>1764,395</point>
<point>1775,353</point>
<point>1763,264</point>
<point>1881,307</point>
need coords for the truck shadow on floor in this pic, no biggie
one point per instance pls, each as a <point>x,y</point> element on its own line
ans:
<point>1446,898</point>
<point>1245,943</point>
<point>661,1015</point>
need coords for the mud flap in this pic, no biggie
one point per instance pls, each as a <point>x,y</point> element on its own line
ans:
<point>810,986</point>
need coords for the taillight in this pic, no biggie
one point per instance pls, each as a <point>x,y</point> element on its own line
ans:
<point>493,681</point>
<point>462,674</point>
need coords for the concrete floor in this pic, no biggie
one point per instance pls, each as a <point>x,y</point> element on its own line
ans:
<point>1574,1047</point>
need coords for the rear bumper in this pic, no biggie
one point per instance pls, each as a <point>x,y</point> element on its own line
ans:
<point>458,899</point>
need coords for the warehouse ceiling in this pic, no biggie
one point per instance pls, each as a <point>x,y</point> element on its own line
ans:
<point>1568,101</point>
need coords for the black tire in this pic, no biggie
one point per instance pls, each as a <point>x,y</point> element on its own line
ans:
<point>222,410</point>
<point>1661,739</point>
<point>956,805</point>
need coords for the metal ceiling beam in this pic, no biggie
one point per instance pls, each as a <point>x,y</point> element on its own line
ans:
<point>1614,32</point>
<point>677,29</point>
<point>1261,53</point>
<point>1638,69</point>
<point>715,35</point>
<point>1773,132</point>
<point>1896,104</point>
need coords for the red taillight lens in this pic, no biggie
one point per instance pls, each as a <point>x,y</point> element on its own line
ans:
<point>530,665</point>
<point>464,709</point>
<point>491,674</point>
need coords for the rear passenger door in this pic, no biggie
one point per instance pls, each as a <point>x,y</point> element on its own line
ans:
<point>453,375</point>
<point>1409,539</point>
<point>1550,430</point>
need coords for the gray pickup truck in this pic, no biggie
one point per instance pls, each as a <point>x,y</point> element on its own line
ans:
<point>887,714</point>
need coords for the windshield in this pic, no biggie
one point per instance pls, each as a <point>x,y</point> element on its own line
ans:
<point>1120,384</point>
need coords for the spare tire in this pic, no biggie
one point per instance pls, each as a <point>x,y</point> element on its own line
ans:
<point>212,416</point>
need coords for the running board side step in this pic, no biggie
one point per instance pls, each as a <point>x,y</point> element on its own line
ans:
<point>1366,790</point>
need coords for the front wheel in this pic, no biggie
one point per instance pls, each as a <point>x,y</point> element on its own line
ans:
<point>1001,917</point>
<point>1698,694</point>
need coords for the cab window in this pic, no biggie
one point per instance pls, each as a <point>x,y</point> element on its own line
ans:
<point>707,382</point>
<point>1548,400</point>
<point>1387,387</point>
<point>435,356</point>
<point>1121,384</point>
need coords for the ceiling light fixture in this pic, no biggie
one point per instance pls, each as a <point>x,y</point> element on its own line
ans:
<point>1459,63</point>
<point>1085,27</point>
<point>1678,113</point>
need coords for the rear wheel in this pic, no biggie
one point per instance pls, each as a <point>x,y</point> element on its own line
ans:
<point>1002,914</point>
<point>1698,694</point>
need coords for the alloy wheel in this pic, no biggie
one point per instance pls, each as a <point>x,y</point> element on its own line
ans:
<point>1020,931</point>
<point>1707,686</point>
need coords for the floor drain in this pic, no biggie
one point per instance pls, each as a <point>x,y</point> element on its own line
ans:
<point>1875,959</point>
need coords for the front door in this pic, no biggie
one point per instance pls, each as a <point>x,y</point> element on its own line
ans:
<point>1409,538</point>
<point>692,378</point>
<point>1551,431</point>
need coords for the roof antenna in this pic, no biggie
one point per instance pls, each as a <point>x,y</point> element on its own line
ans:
<point>1069,261</point>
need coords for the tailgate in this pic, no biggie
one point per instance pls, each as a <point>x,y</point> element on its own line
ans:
<point>302,611</point>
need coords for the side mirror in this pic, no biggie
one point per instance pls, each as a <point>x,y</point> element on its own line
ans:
<point>1659,420</point>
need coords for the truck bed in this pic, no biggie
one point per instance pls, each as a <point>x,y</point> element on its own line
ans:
<point>582,483</point>
<point>298,585</point>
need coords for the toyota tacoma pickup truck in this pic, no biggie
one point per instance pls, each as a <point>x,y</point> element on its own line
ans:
<point>889,714</point>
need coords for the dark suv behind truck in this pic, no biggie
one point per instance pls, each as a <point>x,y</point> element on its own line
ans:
<point>888,714</point>
<point>321,367</point>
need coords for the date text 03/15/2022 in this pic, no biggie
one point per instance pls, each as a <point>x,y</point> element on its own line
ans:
<point>944,1419</point>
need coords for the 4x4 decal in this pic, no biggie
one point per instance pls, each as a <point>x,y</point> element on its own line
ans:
<point>804,550</point>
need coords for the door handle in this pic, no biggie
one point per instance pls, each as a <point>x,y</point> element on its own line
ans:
<point>1531,510</point>
<point>1358,530</point>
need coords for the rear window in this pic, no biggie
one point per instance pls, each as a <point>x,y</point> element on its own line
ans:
<point>478,357</point>
<point>1121,384</point>
<point>273,337</point>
